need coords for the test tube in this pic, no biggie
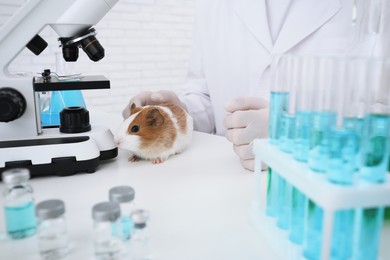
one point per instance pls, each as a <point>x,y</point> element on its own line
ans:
<point>286,143</point>
<point>300,105</point>
<point>350,79</point>
<point>324,116</point>
<point>279,97</point>
<point>375,137</point>
<point>304,107</point>
<point>278,105</point>
<point>374,158</point>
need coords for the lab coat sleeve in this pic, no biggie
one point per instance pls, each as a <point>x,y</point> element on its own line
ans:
<point>195,94</point>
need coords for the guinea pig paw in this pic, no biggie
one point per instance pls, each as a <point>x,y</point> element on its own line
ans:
<point>134,158</point>
<point>157,161</point>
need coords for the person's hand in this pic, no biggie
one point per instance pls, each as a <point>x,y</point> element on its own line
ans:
<point>152,98</point>
<point>246,121</point>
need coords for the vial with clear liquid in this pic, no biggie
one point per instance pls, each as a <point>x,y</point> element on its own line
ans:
<point>19,207</point>
<point>106,216</point>
<point>52,231</point>
<point>140,240</point>
<point>124,196</point>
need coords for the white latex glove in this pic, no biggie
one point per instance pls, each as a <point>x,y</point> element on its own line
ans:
<point>153,98</point>
<point>246,121</point>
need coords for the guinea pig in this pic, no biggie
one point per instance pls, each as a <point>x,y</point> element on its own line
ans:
<point>155,132</point>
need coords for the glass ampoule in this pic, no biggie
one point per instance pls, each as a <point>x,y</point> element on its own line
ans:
<point>19,206</point>
<point>124,196</point>
<point>106,216</point>
<point>140,241</point>
<point>52,231</point>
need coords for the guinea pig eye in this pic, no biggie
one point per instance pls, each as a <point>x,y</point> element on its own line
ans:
<point>134,129</point>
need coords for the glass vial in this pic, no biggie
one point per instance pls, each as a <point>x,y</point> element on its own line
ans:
<point>106,216</point>
<point>52,231</point>
<point>124,196</point>
<point>19,207</point>
<point>140,239</point>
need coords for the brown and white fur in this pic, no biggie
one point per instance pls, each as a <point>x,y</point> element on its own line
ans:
<point>155,132</point>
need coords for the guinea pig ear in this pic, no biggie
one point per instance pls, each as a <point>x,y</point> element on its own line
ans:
<point>133,109</point>
<point>154,117</point>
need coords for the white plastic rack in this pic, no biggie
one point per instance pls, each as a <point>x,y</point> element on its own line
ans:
<point>315,186</point>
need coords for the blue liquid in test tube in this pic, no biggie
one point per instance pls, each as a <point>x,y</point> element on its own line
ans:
<point>367,233</point>
<point>288,133</point>
<point>374,152</point>
<point>342,235</point>
<point>319,140</point>
<point>341,168</point>
<point>278,105</point>
<point>21,221</point>
<point>297,216</point>
<point>313,231</point>
<point>303,124</point>
<point>284,203</point>
<point>342,156</point>
<point>375,148</point>
<point>355,125</point>
<point>272,193</point>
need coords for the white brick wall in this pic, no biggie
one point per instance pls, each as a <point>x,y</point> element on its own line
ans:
<point>147,45</point>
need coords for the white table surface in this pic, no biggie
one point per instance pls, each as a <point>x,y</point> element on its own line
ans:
<point>199,202</point>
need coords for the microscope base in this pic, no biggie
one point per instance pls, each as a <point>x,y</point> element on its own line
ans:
<point>59,154</point>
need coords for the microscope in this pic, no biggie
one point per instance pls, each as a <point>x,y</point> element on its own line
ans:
<point>75,146</point>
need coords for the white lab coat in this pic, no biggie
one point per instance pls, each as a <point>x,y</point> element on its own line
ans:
<point>232,50</point>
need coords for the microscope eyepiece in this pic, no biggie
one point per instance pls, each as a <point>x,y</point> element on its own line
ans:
<point>87,41</point>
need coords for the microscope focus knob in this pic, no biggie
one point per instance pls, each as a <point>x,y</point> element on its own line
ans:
<point>74,120</point>
<point>12,104</point>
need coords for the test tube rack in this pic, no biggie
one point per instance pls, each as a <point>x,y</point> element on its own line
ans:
<point>315,186</point>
